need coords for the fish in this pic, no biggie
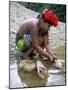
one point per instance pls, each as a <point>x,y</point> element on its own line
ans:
<point>41,70</point>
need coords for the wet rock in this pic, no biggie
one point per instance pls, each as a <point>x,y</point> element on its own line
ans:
<point>54,80</point>
<point>15,81</point>
<point>27,65</point>
<point>52,71</point>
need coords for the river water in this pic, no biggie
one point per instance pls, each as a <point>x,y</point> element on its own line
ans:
<point>20,78</point>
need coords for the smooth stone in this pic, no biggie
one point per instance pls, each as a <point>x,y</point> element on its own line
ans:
<point>27,65</point>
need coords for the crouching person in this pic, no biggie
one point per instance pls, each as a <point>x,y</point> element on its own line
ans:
<point>29,34</point>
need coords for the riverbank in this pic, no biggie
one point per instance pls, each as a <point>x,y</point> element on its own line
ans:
<point>18,14</point>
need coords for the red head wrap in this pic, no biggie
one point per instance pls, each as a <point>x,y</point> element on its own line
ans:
<point>49,16</point>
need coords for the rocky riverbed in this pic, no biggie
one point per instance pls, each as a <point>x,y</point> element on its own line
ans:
<point>18,14</point>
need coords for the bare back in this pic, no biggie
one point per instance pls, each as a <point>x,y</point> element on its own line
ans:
<point>27,26</point>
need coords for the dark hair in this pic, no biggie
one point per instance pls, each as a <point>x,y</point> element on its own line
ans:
<point>38,16</point>
<point>41,19</point>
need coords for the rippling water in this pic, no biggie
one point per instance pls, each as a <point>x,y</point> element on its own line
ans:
<point>20,78</point>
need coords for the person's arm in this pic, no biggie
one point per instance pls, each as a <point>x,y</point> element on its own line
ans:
<point>48,49</point>
<point>21,31</point>
<point>36,43</point>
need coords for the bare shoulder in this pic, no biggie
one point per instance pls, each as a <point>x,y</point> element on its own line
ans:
<point>34,24</point>
<point>28,25</point>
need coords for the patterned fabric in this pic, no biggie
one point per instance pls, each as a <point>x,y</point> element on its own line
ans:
<point>27,39</point>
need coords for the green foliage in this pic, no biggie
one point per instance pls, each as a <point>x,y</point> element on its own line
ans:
<point>58,9</point>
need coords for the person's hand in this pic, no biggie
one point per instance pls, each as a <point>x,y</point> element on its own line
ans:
<point>55,57</point>
<point>51,58</point>
<point>58,63</point>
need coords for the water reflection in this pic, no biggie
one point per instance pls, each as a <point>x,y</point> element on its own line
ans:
<point>15,81</point>
<point>31,78</point>
<point>54,77</point>
<point>20,78</point>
